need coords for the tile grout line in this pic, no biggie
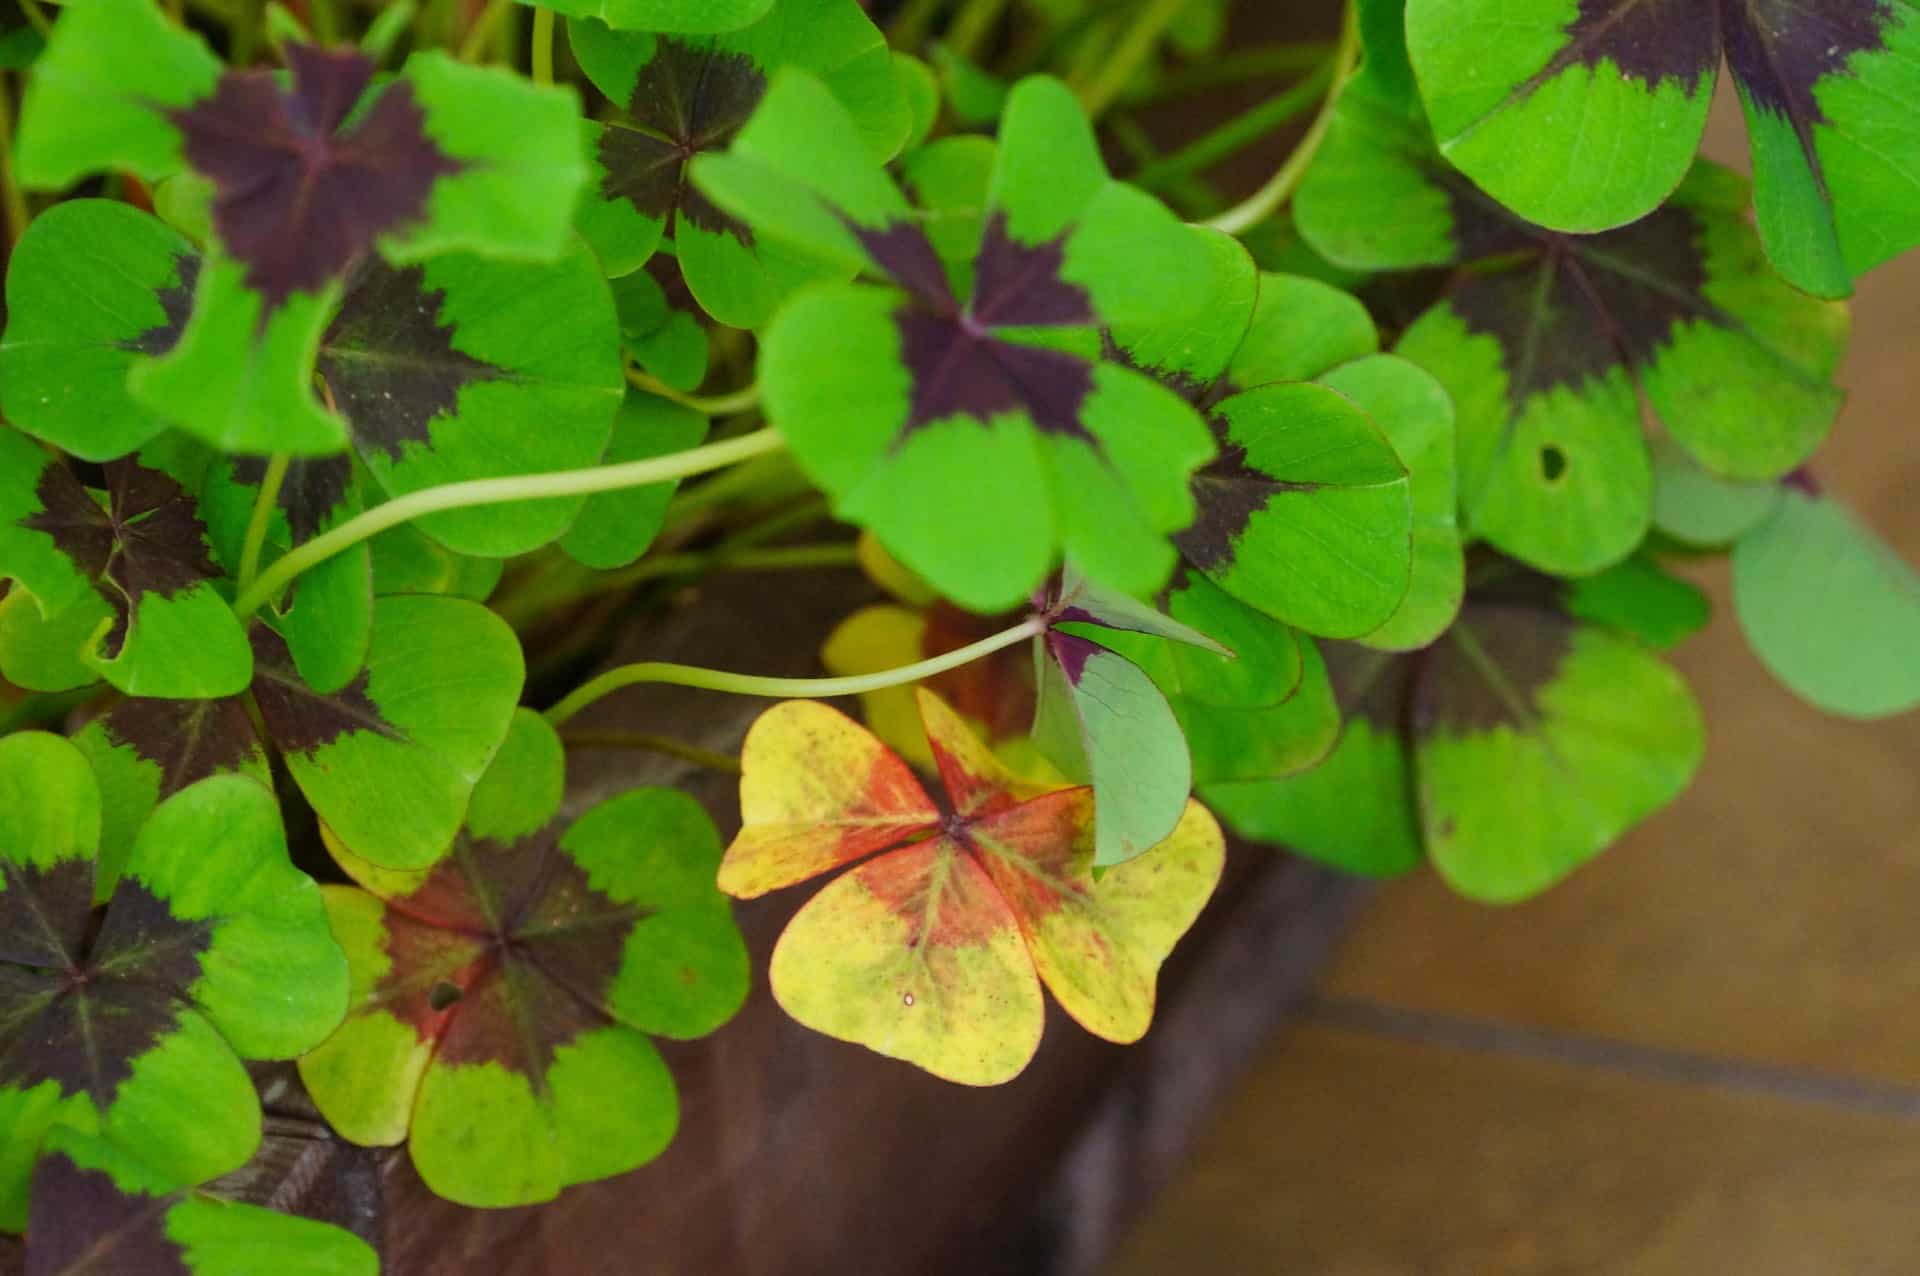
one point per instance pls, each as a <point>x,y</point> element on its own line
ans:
<point>1608,1054</point>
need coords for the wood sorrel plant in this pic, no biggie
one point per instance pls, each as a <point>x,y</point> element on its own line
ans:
<point>346,347</point>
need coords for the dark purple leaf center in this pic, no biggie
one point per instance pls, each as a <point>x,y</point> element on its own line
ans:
<point>298,199</point>
<point>311,493</point>
<point>1569,308</point>
<point>147,538</point>
<point>79,1222</point>
<point>505,954</point>
<point>390,363</point>
<point>176,302</point>
<point>79,1006</point>
<point>960,361</point>
<point>687,100</point>
<point>1513,623</point>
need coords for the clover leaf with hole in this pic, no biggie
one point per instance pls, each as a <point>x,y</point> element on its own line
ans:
<point>1584,116</point>
<point>1547,341</point>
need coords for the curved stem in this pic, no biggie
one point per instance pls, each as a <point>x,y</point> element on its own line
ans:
<point>1263,202</point>
<point>1243,130</point>
<point>713,405</point>
<point>263,505</point>
<point>522,487</point>
<point>749,685</point>
<point>1135,47</point>
<point>541,58</point>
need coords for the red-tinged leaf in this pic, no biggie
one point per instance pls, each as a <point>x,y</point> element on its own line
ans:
<point>930,952</point>
<point>817,791</point>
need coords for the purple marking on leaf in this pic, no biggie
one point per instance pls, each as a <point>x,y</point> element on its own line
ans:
<point>1528,644</point>
<point>1228,493</point>
<point>536,948</point>
<point>297,201</point>
<point>903,250</point>
<point>300,719</point>
<point>43,912</point>
<point>176,302</point>
<point>188,740</point>
<point>79,1222</point>
<point>148,540</point>
<point>1651,40</point>
<point>391,363</point>
<point>1018,285</point>
<point>1579,307</point>
<point>311,492</point>
<point>1803,482</point>
<point>1071,652</point>
<point>686,100</point>
<point>83,1023</point>
<point>1779,52</point>
<point>959,370</point>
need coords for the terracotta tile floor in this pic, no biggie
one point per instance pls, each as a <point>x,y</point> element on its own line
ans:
<point>1699,1056</point>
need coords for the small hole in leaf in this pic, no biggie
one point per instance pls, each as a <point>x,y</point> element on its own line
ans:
<point>907,1000</point>
<point>1553,463</point>
<point>443,995</point>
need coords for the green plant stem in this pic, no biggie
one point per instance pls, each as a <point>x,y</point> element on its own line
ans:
<point>716,405</point>
<point>1133,51</point>
<point>473,46</point>
<point>712,761</point>
<point>1264,202</point>
<point>36,16</point>
<point>909,28</point>
<point>742,684</point>
<point>18,214</point>
<point>1268,62</point>
<point>542,46</point>
<point>1241,131</point>
<point>522,487</point>
<point>263,507</point>
<point>972,25</point>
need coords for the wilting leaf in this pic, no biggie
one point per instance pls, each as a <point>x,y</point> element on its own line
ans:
<point>1547,343</point>
<point>1585,117</point>
<point>682,96</point>
<point>97,1209</point>
<point>615,528</point>
<point>907,402</point>
<point>212,944</point>
<point>1515,748</point>
<point>934,951</point>
<point>1829,607</point>
<point>92,287</point>
<point>700,17</point>
<point>503,999</point>
<point>130,569</point>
